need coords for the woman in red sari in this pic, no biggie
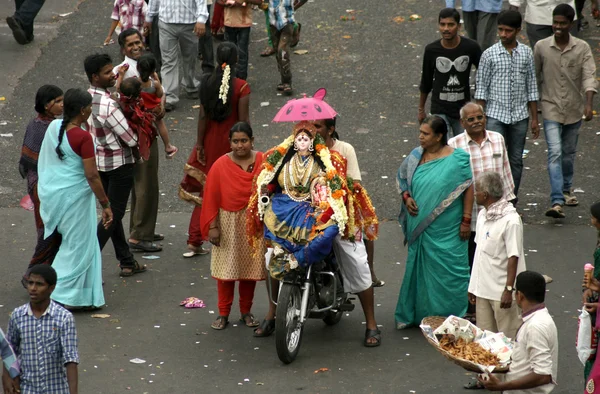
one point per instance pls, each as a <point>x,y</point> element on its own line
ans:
<point>224,101</point>
<point>226,195</point>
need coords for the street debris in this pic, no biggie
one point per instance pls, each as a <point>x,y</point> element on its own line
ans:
<point>151,257</point>
<point>137,361</point>
<point>264,104</point>
<point>414,17</point>
<point>578,190</point>
<point>301,52</point>
<point>322,370</point>
<point>100,316</point>
<point>398,19</point>
<point>7,135</point>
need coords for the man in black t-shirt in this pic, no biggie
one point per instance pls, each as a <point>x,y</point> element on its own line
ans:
<point>446,69</point>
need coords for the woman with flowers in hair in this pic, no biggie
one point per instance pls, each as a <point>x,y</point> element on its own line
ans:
<point>68,182</point>
<point>224,101</point>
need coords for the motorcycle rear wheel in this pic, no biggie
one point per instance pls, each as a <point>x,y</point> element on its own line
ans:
<point>288,329</point>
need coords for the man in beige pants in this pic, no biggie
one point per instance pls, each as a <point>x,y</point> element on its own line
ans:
<point>499,258</point>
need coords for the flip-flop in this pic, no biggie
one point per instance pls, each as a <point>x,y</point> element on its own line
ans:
<point>376,334</point>
<point>267,328</point>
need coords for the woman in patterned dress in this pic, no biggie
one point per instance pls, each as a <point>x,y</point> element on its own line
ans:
<point>226,194</point>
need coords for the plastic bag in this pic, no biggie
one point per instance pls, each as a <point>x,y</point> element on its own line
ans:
<point>584,337</point>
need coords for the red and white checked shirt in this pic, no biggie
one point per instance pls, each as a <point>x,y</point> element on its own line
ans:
<point>130,14</point>
<point>489,156</point>
<point>113,136</point>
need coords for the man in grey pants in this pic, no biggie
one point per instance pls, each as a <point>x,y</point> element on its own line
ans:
<point>181,23</point>
<point>479,19</point>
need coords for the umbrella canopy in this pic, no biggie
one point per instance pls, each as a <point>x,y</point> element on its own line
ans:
<point>306,108</point>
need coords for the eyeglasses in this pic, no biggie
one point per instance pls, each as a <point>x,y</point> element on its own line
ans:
<point>478,117</point>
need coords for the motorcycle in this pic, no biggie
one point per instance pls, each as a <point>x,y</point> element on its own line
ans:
<point>314,292</point>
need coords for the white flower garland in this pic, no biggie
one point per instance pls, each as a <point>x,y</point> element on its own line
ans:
<point>224,89</point>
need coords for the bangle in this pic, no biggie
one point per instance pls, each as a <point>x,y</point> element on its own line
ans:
<point>105,204</point>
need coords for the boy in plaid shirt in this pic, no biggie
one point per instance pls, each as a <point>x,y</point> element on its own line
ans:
<point>126,14</point>
<point>43,336</point>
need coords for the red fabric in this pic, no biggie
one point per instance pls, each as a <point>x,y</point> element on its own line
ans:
<point>141,122</point>
<point>194,233</point>
<point>151,100</point>
<point>218,18</point>
<point>226,290</point>
<point>81,142</point>
<point>228,187</point>
<point>216,139</point>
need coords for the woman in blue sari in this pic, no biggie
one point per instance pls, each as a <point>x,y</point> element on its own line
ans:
<point>435,181</point>
<point>68,181</point>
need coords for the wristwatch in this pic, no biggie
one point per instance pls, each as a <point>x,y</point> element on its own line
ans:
<point>509,288</point>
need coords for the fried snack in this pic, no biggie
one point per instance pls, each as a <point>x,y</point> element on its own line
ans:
<point>468,351</point>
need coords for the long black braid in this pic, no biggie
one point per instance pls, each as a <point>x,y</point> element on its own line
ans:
<point>61,134</point>
<point>75,101</point>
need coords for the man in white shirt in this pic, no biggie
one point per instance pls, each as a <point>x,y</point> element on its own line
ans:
<point>534,366</point>
<point>181,23</point>
<point>498,259</point>
<point>538,18</point>
<point>132,47</point>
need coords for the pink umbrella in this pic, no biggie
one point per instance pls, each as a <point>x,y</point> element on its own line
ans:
<point>306,108</point>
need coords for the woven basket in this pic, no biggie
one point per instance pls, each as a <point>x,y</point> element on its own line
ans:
<point>435,322</point>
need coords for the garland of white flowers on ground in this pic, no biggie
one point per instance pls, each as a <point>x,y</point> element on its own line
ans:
<point>273,162</point>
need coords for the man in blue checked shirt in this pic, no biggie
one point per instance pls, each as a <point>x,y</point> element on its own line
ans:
<point>42,334</point>
<point>479,18</point>
<point>507,89</point>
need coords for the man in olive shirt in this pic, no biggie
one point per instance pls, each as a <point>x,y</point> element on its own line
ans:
<point>565,72</point>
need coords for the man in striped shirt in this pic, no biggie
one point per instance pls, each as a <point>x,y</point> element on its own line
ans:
<point>487,153</point>
<point>181,23</point>
<point>114,142</point>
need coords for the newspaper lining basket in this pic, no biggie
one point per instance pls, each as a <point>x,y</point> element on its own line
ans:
<point>434,322</point>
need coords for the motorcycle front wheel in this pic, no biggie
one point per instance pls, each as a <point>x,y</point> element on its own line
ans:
<point>288,329</point>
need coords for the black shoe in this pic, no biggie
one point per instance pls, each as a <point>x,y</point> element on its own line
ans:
<point>17,30</point>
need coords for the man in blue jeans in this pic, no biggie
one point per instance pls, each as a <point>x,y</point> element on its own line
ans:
<point>566,73</point>
<point>507,88</point>
<point>21,23</point>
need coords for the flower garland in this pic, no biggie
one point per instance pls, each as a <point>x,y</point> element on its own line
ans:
<point>224,89</point>
<point>274,160</point>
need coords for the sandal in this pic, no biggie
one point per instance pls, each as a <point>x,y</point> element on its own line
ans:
<point>286,88</point>
<point>555,212</point>
<point>267,327</point>
<point>375,334</point>
<point>473,385</point>
<point>195,251</point>
<point>220,323</point>
<point>158,237</point>
<point>269,51</point>
<point>378,283</point>
<point>144,246</point>
<point>249,320</point>
<point>570,199</point>
<point>132,270</point>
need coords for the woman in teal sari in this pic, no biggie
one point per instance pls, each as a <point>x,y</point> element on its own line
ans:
<point>68,181</point>
<point>435,181</point>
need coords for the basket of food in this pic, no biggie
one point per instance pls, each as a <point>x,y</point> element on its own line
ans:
<point>463,343</point>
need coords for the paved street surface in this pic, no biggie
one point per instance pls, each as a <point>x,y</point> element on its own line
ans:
<point>371,68</point>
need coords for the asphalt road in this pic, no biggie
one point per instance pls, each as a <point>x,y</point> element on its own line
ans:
<point>371,69</point>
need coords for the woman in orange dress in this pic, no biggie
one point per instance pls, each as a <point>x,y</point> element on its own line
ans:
<point>226,194</point>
